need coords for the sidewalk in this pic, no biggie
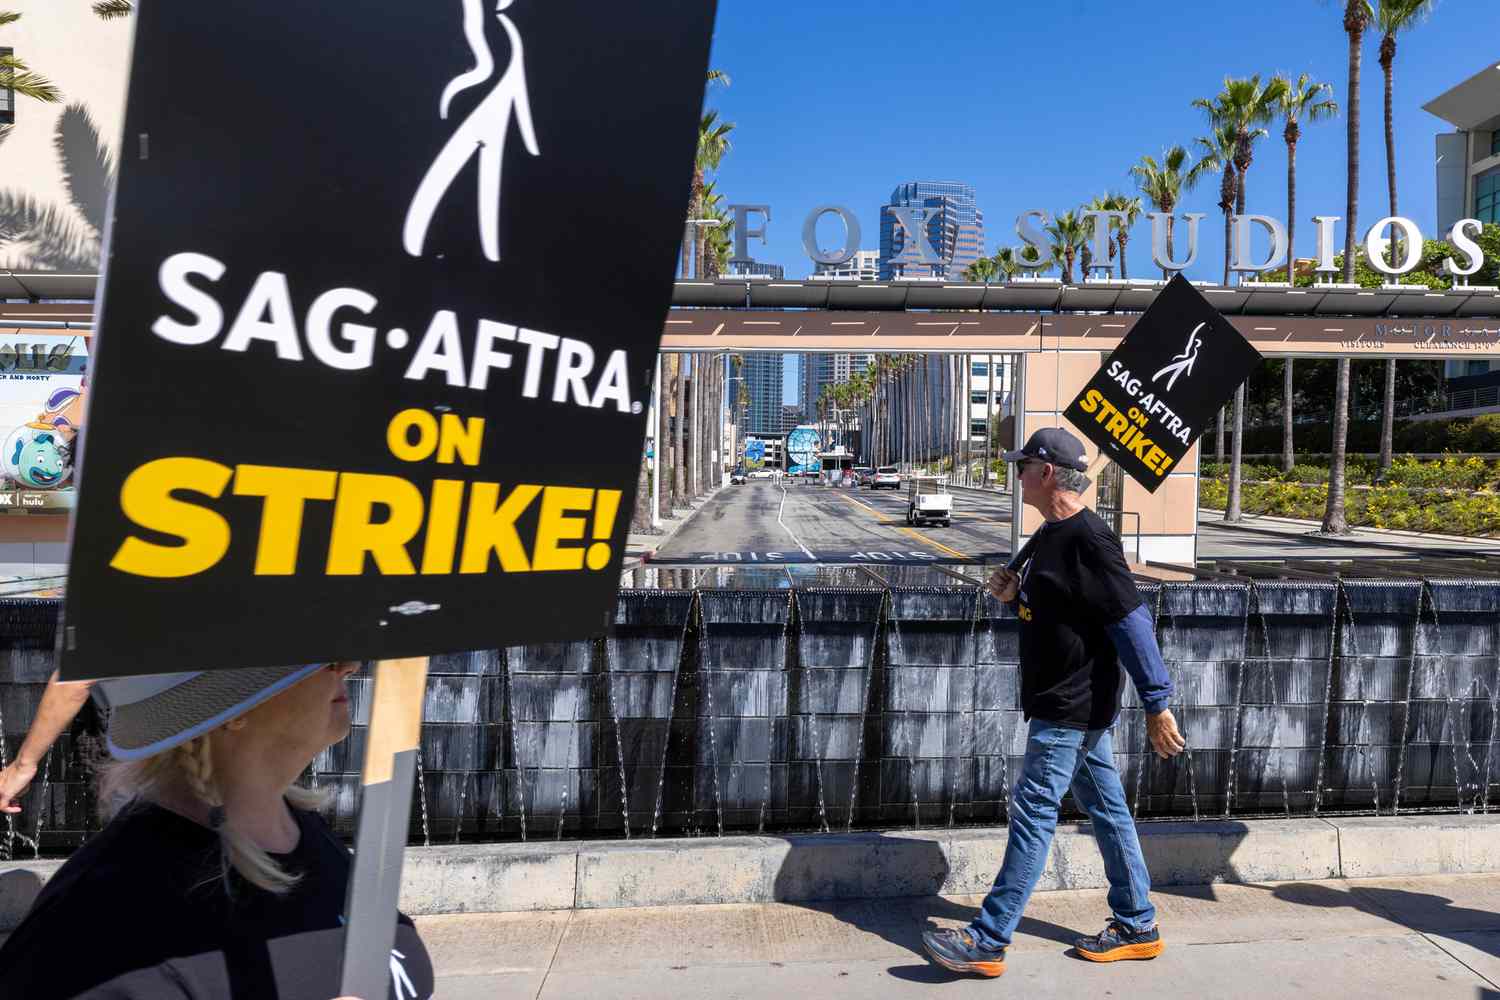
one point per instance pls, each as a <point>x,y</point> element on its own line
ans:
<point>1246,539</point>
<point>1433,937</point>
<point>640,546</point>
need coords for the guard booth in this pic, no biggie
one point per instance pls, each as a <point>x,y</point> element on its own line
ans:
<point>838,466</point>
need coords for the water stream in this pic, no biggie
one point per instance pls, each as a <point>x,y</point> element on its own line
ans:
<point>752,699</point>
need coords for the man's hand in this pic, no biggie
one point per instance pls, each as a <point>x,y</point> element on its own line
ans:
<point>1161,729</point>
<point>1004,584</point>
<point>14,781</point>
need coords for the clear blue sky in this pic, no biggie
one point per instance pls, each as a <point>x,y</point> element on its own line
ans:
<point>1047,105</point>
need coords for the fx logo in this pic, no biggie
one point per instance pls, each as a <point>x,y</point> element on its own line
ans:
<point>1182,363</point>
<point>482,134</point>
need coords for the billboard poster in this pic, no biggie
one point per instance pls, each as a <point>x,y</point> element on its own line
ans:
<point>43,386</point>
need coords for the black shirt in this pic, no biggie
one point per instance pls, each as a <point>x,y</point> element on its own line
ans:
<point>140,912</point>
<point>1074,586</point>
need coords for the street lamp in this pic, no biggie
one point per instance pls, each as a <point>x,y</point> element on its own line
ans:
<point>724,404</point>
<point>690,242</point>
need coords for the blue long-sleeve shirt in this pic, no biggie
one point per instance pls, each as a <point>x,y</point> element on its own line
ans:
<point>1134,637</point>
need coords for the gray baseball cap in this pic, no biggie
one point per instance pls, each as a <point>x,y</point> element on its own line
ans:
<point>1055,445</point>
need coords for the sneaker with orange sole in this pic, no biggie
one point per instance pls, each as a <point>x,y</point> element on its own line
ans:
<point>957,951</point>
<point>1116,943</point>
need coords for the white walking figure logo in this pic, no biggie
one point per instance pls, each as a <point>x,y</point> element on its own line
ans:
<point>400,981</point>
<point>483,133</point>
<point>1182,362</point>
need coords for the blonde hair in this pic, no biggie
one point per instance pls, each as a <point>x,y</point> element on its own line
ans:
<point>190,766</point>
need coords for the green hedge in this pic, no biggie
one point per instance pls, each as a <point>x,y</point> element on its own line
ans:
<point>1455,512</point>
<point>1453,472</point>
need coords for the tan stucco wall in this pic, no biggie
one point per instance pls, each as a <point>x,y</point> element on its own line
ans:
<point>87,59</point>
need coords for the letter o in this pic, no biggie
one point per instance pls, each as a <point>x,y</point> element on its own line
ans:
<point>810,235</point>
<point>398,436</point>
<point>1412,246</point>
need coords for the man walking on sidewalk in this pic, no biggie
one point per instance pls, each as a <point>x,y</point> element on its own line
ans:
<point>1081,618</point>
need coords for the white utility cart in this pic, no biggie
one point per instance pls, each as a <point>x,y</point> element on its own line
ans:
<point>928,499</point>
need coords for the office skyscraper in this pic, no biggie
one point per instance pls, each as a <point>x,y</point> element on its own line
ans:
<point>819,370</point>
<point>863,266</point>
<point>763,377</point>
<point>758,269</point>
<point>955,231</point>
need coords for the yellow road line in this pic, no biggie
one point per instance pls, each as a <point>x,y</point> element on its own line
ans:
<point>910,531</point>
<point>937,545</point>
<point>879,516</point>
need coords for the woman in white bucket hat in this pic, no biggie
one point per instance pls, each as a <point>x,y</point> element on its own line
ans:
<point>214,877</point>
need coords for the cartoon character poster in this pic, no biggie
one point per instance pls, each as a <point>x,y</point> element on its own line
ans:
<point>43,383</point>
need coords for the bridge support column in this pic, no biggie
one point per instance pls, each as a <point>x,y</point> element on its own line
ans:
<point>1156,527</point>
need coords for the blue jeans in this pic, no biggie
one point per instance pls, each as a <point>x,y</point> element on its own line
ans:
<point>1058,758</point>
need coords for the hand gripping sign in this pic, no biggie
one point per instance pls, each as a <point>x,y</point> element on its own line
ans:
<point>1157,391</point>
<point>330,419</point>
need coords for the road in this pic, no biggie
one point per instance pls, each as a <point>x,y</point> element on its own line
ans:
<point>766,522</point>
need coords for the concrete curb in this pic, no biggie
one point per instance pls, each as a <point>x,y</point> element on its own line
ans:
<point>491,878</point>
<point>1297,522</point>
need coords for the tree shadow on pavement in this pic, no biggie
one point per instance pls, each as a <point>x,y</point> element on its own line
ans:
<point>1423,912</point>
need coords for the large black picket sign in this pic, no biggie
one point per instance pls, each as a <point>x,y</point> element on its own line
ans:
<point>1157,391</point>
<point>271,199</point>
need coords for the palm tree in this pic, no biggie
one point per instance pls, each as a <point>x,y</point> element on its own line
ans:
<point>1302,100</point>
<point>1393,17</point>
<point>1236,112</point>
<point>15,75</point>
<point>718,241</point>
<point>1240,107</point>
<point>109,9</point>
<point>982,270</point>
<point>679,432</point>
<point>713,145</point>
<point>1163,183</point>
<point>1357,16</point>
<point>1006,263</point>
<point>989,407</point>
<point>1216,152</point>
<point>1068,234</point>
<point>1130,207</point>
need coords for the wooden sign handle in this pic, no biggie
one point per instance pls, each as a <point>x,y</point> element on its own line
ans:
<point>380,838</point>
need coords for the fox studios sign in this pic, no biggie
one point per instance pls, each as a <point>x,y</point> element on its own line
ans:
<point>911,223</point>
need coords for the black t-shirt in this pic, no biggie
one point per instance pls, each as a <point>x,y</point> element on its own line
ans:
<point>1074,586</point>
<point>140,912</point>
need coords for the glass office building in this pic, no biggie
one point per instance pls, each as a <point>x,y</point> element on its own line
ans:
<point>1468,187</point>
<point>955,231</point>
<point>762,373</point>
